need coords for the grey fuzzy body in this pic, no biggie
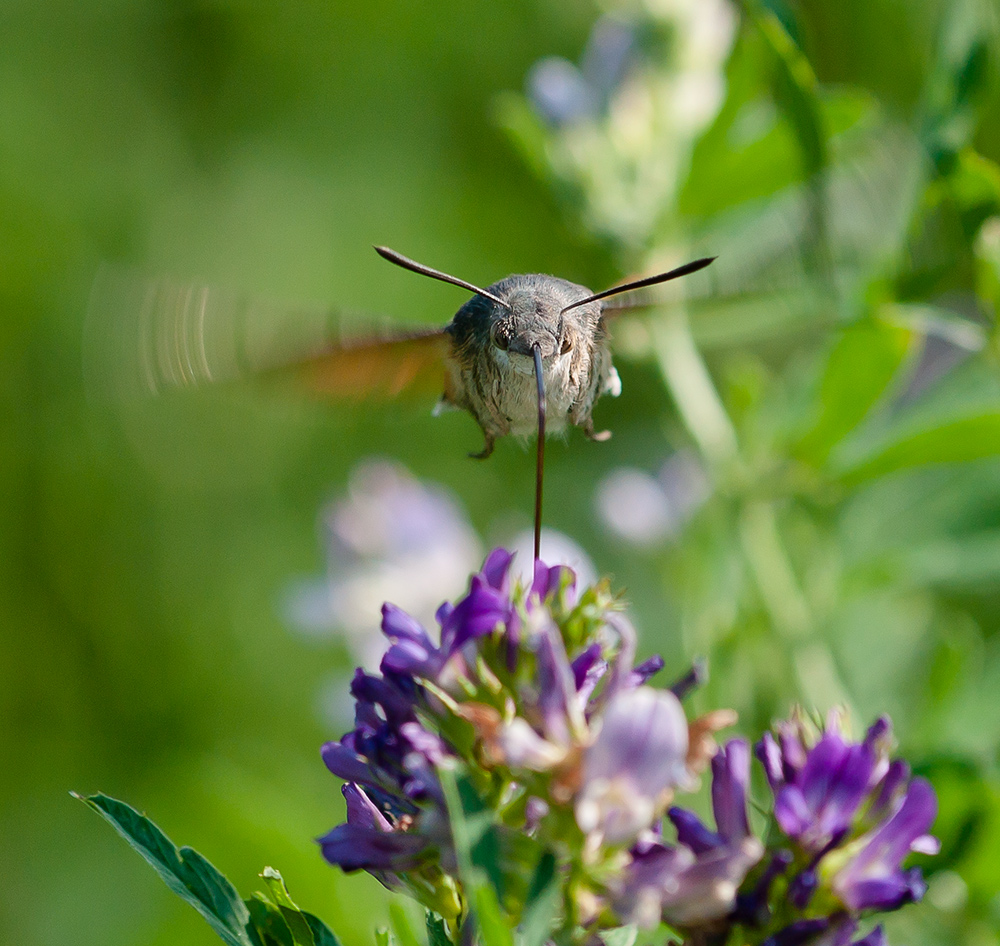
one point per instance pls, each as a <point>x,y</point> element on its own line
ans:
<point>491,368</point>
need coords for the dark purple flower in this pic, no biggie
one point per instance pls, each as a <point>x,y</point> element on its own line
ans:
<point>820,801</point>
<point>648,668</point>
<point>344,761</point>
<point>802,888</point>
<point>397,705</point>
<point>496,569</point>
<point>833,930</point>
<point>846,804</point>
<point>549,580</point>
<point>587,665</point>
<point>873,878</point>
<point>730,779</point>
<point>695,677</point>
<point>486,608</point>
<point>411,650</point>
<point>368,841</point>
<point>481,611</point>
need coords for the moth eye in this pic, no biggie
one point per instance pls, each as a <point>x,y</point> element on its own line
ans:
<point>567,344</point>
<point>501,340</point>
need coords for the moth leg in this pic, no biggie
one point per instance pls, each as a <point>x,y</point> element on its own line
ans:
<point>487,447</point>
<point>599,436</point>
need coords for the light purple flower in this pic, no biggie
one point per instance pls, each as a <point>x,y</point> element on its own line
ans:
<point>638,756</point>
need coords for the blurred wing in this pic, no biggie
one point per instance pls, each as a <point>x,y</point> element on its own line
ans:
<point>378,367</point>
<point>145,336</point>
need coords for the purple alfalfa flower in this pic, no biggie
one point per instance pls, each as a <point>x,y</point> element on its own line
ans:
<point>390,694</point>
<point>486,607</point>
<point>411,651</point>
<point>695,882</point>
<point>496,569</point>
<point>837,929</point>
<point>852,813</point>
<point>707,889</point>
<point>588,668</point>
<point>561,716</point>
<point>753,906</point>
<point>369,841</point>
<point>637,758</point>
<point>646,670</point>
<point>819,789</point>
<point>550,579</point>
<point>834,930</point>
<point>564,94</point>
<point>693,679</point>
<point>550,722</point>
<point>873,879</point>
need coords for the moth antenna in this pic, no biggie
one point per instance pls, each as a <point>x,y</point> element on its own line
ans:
<point>393,257</point>
<point>684,270</point>
<point>540,464</point>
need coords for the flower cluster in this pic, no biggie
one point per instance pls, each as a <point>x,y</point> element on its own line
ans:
<point>530,714</point>
<point>616,131</point>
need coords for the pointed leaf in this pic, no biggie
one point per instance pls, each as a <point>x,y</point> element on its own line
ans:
<point>955,441</point>
<point>183,870</point>
<point>437,931</point>
<point>280,900</point>
<point>322,934</point>
<point>268,922</point>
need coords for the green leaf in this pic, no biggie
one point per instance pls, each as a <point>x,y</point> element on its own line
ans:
<point>543,902</point>
<point>623,936</point>
<point>265,919</point>
<point>401,926</point>
<point>796,87</point>
<point>861,366</point>
<point>955,441</point>
<point>297,924</point>
<point>322,934</point>
<point>183,870</point>
<point>492,926</point>
<point>437,931</point>
<point>468,831</point>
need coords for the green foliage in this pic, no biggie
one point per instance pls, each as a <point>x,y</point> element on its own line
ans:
<point>849,546</point>
<point>265,919</point>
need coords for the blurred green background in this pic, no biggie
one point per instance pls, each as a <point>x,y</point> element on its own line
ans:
<point>830,396</point>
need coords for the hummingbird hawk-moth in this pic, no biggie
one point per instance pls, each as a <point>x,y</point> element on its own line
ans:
<point>527,354</point>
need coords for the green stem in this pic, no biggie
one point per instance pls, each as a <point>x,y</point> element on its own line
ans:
<point>691,386</point>
<point>812,662</point>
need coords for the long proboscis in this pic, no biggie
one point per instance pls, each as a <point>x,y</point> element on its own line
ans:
<point>540,461</point>
<point>684,270</point>
<point>393,257</point>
